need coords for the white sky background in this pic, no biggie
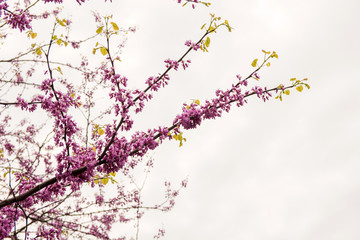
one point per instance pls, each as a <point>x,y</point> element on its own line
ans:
<point>279,170</point>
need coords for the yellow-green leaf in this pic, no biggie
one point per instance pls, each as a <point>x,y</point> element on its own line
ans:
<point>115,26</point>
<point>274,54</point>
<point>197,101</point>
<point>96,181</point>
<point>203,26</point>
<point>59,70</point>
<point>207,42</point>
<point>299,88</point>
<point>254,63</point>
<point>287,92</point>
<point>292,79</point>
<point>307,85</point>
<point>99,30</point>
<point>38,51</point>
<point>101,131</point>
<point>103,51</point>
<point>226,22</point>
<point>104,181</point>
<point>113,174</point>
<point>268,64</point>
<point>33,35</point>
<point>61,22</point>
<point>94,51</point>
<point>59,41</point>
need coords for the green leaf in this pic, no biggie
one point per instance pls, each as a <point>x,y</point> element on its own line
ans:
<point>104,181</point>
<point>38,51</point>
<point>274,54</point>
<point>59,70</point>
<point>62,22</point>
<point>299,88</point>
<point>101,131</point>
<point>254,63</point>
<point>207,42</point>
<point>211,29</point>
<point>33,35</point>
<point>103,51</point>
<point>99,30</point>
<point>115,26</point>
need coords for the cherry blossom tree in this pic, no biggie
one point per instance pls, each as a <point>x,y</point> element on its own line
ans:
<point>60,146</point>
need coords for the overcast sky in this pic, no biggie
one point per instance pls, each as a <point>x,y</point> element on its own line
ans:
<point>275,170</point>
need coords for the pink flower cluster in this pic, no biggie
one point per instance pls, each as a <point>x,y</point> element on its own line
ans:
<point>185,64</point>
<point>192,45</point>
<point>190,117</point>
<point>193,114</point>
<point>190,1</point>
<point>18,19</point>
<point>76,155</point>
<point>60,1</point>
<point>25,105</point>
<point>8,215</point>
<point>54,1</point>
<point>3,5</point>
<point>155,82</point>
<point>172,64</point>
